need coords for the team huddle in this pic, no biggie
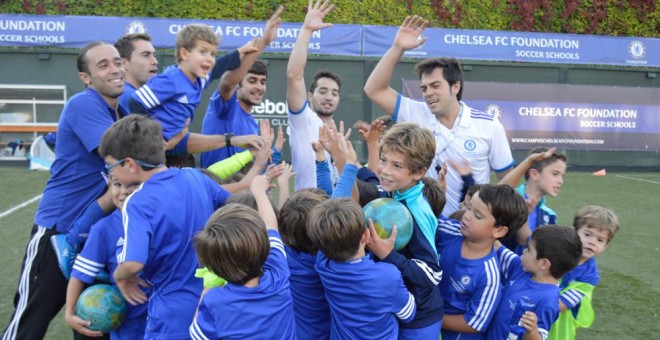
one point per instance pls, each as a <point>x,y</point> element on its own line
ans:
<point>205,253</point>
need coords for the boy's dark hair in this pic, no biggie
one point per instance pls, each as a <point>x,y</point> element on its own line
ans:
<point>472,189</point>
<point>416,143</point>
<point>212,176</point>
<point>83,63</point>
<point>316,191</point>
<point>125,44</point>
<point>324,74</point>
<point>452,71</point>
<point>294,218</point>
<point>234,244</point>
<point>560,245</point>
<point>596,217</point>
<point>506,205</point>
<point>336,227</point>
<point>246,198</point>
<point>367,191</point>
<point>434,195</point>
<point>135,136</point>
<point>457,215</point>
<point>189,35</point>
<point>540,165</point>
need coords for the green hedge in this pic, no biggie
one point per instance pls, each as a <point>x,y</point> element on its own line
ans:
<point>603,17</point>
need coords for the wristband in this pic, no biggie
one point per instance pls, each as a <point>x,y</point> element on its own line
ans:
<point>228,139</point>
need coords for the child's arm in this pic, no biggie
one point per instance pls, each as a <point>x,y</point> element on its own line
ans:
<point>230,79</point>
<point>257,167</point>
<point>465,170</point>
<point>513,177</point>
<point>371,136</point>
<point>73,290</point>
<point>456,323</point>
<point>283,183</point>
<point>529,321</point>
<point>128,282</point>
<point>323,178</point>
<point>259,187</point>
<point>229,166</point>
<point>422,271</point>
<point>92,214</point>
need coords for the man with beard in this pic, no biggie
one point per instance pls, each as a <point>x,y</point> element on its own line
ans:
<point>230,107</point>
<point>463,135</point>
<point>309,110</point>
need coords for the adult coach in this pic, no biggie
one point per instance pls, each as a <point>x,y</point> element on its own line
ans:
<point>309,110</point>
<point>76,181</point>
<point>461,133</point>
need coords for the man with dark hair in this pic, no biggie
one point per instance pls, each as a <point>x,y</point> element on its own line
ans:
<point>309,110</point>
<point>230,107</point>
<point>75,183</point>
<point>139,60</point>
<point>461,133</point>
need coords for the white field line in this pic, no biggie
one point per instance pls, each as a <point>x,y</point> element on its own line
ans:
<point>36,198</point>
<point>639,179</point>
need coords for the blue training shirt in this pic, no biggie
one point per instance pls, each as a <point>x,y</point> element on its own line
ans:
<point>469,286</point>
<point>517,284</point>
<point>100,251</point>
<point>171,98</point>
<point>226,117</point>
<point>75,176</point>
<point>239,312</point>
<point>309,302</point>
<point>585,273</point>
<point>366,298</point>
<point>124,98</point>
<point>160,219</point>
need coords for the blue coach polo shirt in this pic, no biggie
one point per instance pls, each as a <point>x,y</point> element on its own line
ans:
<point>75,177</point>
<point>226,117</point>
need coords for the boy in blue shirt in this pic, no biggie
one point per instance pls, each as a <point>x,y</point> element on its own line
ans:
<point>366,298</point>
<point>406,152</point>
<point>160,219</point>
<point>105,237</point>
<point>543,177</point>
<point>172,96</point>
<point>309,302</point>
<point>244,247</point>
<point>596,227</point>
<point>553,250</point>
<point>471,284</point>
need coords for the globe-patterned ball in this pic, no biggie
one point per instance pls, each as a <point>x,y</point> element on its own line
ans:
<point>387,212</point>
<point>103,306</point>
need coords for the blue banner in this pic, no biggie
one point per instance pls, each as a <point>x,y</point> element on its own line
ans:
<point>74,31</point>
<point>345,40</point>
<point>521,46</point>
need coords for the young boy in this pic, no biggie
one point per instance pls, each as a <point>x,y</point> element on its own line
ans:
<point>596,227</point>
<point>553,250</point>
<point>160,219</point>
<point>309,302</point>
<point>543,178</point>
<point>406,152</point>
<point>172,96</point>
<point>471,284</point>
<point>256,301</point>
<point>100,250</point>
<point>366,298</point>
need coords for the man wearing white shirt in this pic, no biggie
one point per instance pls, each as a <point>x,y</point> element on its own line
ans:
<point>462,133</point>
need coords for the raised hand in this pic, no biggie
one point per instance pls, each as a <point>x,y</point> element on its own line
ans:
<point>280,139</point>
<point>316,13</point>
<point>272,25</point>
<point>247,141</point>
<point>408,36</point>
<point>539,156</point>
<point>265,131</point>
<point>373,132</point>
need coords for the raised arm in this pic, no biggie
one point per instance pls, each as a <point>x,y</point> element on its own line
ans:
<point>513,177</point>
<point>229,80</point>
<point>296,94</point>
<point>259,187</point>
<point>377,86</point>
